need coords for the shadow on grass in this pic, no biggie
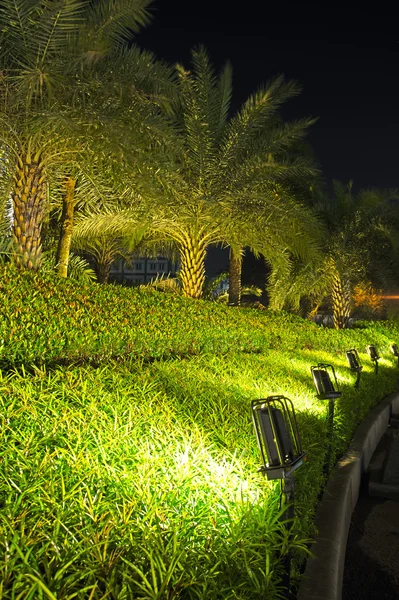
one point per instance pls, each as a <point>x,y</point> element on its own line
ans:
<point>96,361</point>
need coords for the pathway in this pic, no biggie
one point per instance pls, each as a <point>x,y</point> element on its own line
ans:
<point>372,553</point>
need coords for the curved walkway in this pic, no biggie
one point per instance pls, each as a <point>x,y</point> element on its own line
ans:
<point>323,577</point>
<point>372,552</point>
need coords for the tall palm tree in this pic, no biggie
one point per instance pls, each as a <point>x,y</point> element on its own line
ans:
<point>25,84</point>
<point>223,180</point>
<point>41,53</point>
<point>119,97</point>
<point>241,163</point>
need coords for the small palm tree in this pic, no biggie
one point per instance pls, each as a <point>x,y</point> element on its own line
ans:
<point>80,187</point>
<point>104,251</point>
<point>351,220</point>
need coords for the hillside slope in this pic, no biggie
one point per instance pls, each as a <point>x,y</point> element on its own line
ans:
<point>128,458</point>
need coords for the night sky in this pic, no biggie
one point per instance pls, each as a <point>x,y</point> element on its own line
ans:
<point>346,60</point>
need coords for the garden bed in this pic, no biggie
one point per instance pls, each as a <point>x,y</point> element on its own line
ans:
<point>137,476</point>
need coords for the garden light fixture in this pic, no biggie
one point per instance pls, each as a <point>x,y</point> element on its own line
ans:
<point>327,389</point>
<point>280,445</point>
<point>373,354</point>
<point>278,436</point>
<point>354,364</point>
<point>395,351</point>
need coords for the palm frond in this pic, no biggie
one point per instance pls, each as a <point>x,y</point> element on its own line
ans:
<point>225,91</point>
<point>286,288</point>
<point>34,37</point>
<point>15,26</point>
<point>116,20</point>
<point>55,22</point>
<point>256,113</point>
<point>142,73</point>
<point>108,224</point>
<point>80,270</point>
<point>164,283</point>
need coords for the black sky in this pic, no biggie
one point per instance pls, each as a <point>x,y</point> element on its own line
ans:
<point>345,58</point>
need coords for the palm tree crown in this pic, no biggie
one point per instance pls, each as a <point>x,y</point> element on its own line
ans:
<point>223,180</point>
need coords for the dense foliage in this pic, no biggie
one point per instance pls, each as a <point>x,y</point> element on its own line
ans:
<point>221,178</point>
<point>137,477</point>
<point>45,320</point>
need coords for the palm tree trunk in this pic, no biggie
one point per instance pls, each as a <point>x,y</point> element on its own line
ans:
<point>104,255</point>
<point>102,269</point>
<point>341,302</point>
<point>192,268</point>
<point>28,198</point>
<point>235,267</point>
<point>64,245</point>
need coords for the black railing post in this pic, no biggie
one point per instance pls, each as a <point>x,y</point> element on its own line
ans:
<point>287,500</point>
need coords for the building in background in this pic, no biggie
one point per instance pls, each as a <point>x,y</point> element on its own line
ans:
<point>141,270</point>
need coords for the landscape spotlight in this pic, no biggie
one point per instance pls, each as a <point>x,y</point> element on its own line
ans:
<point>280,445</point>
<point>354,364</point>
<point>324,385</point>
<point>278,436</point>
<point>395,351</point>
<point>326,390</point>
<point>373,354</point>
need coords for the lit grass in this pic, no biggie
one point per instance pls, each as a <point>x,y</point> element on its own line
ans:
<point>48,321</point>
<point>138,478</point>
<point>140,481</point>
<point>110,489</point>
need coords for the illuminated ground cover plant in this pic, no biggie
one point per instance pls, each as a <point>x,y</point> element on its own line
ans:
<point>137,479</point>
<point>45,321</point>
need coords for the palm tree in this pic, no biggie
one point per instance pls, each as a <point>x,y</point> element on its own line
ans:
<point>222,180</point>
<point>119,98</point>
<point>241,163</point>
<point>41,60</point>
<point>350,219</point>
<point>235,271</point>
<point>33,35</point>
<point>78,187</point>
<point>356,237</point>
<point>68,210</point>
<point>103,250</point>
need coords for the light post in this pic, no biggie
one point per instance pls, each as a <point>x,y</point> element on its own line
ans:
<point>373,354</point>
<point>326,390</point>
<point>280,446</point>
<point>352,357</point>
